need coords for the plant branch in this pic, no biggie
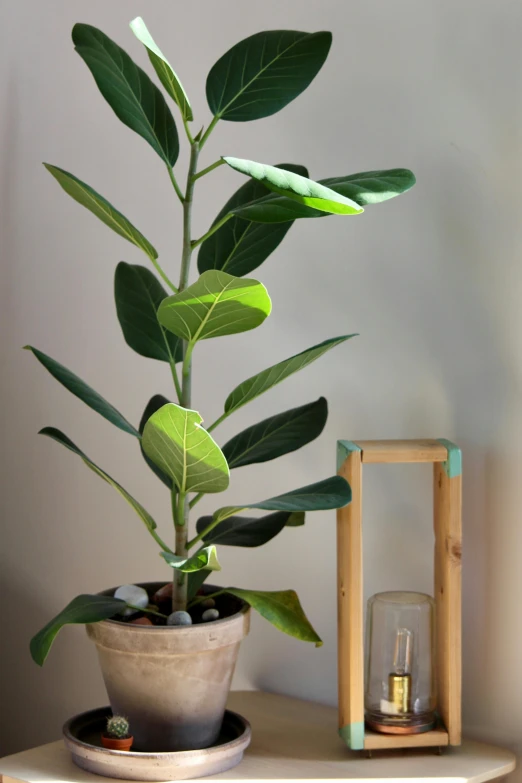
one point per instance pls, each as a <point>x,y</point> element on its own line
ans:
<point>175,378</point>
<point>162,274</point>
<point>175,184</point>
<point>212,229</point>
<point>147,611</point>
<point>159,541</point>
<point>208,131</point>
<point>200,598</point>
<point>215,165</point>
<point>196,499</point>
<point>218,421</point>
<point>187,131</point>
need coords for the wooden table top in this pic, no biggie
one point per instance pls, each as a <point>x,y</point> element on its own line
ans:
<point>293,740</point>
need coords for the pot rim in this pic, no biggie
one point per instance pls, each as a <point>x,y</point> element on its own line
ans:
<point>171,628</point>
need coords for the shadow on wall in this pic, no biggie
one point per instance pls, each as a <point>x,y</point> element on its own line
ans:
<point>34,709</point>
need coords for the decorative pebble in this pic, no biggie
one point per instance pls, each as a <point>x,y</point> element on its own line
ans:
<point>133,595</point>
<point>209,603</point>
<point>179,618</point>
<point>141,621</point>
<point>163,594</point>
<point>210,614</point>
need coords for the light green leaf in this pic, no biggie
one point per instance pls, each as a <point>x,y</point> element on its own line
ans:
<point>84,392</point>
<point>133,97</point>
<point>215,305</point>
<point>154,404</point>
<point>163,68</point>
<point>205,558</point>
<point>263,73</point>
<point>138,295</point>
<point>240,246</point>
<point>281,608</point>
<point>325,495</point>
<point>257,384</point>
<point>176,442</point>
<point>249,531</point>
<point>301,189</point>
<point>367,187</point>
<point>87,197</point>
<point>277,435</point>
<point>58,436</point>
<point>82,609</point>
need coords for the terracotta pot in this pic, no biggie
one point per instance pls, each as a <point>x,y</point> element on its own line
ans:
<point>170,682</point>
<point>113,743</point>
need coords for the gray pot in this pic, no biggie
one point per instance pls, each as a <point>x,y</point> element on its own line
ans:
<point>171,683</point>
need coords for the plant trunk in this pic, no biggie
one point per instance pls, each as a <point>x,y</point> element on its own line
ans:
<point>181,515</point>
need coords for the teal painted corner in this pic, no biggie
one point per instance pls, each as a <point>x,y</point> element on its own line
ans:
<point>353,735</point>
<point>453,465</point>
<point>344,449</point>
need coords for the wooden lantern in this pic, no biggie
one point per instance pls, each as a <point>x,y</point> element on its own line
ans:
<point>447,502</point>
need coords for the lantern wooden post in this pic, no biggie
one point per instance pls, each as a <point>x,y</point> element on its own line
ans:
<point>447,503</point>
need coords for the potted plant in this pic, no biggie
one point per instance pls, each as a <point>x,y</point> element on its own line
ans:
<point>117,735</point>
<point>168,652</point>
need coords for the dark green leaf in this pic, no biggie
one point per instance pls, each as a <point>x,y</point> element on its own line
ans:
<point>58,436</point>
<point>134,98</point>
<point>205,558</point>
<point>263,73</point>
<point>249,531</point>
<point>281,608</point>
<point>153,405</point>
<point>138,295</point>
<point>215,305</point>
<point>82,609</point>
<point>325,495</point>
<point>174,439</point>
<point>257,384</point>
<point>89,198</point>
<point>367,187</point>
<point>300,189</point>
<point>163,68</point>
<point>80,389</point>
<point>240,246</point>
<point>277,435</point>
<point>195,580</point>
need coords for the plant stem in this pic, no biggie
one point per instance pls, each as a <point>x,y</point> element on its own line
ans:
<point>200,598</point>
<point>175,378</point>
<point>209,169</point>
<point>148,611</point>
<point>162,274</point>
<point>195,499</point>
<point>181,512</point>
<point>218,421</point>
<point>208,131</point>
<point>175,184</point>
<point>212,230</point>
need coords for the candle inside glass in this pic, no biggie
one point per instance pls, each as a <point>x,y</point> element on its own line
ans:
<point>400,693</point>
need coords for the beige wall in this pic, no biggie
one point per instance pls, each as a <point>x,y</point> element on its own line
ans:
<point>432,281</point>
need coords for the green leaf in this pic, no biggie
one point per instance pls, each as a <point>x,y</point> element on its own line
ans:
<point>205,558</point>
<point>58,436</point>
<point>249,531</point>
<point>277,435</point>
<point>163,68</point>
<point>80,389</point>
<point>138,295</point>
<point>82,609</point>
<point>240,246</point>
<point>281,608</point>
<point>154,404</point>
<point>325,495</point>
<point>263,73</point>
<point>195,580</point>
<point>301,189</point>
<point>176,442</point>
<point>87,197</point>
<point>257,384</point>
<point>133,97</point>
<point>215,305</point>
<point>368,187</point>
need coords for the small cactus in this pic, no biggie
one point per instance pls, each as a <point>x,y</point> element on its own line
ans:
<point>118,727</point>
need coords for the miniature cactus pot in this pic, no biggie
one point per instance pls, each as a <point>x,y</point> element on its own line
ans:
<point>114,743</point>
<point>170,682</point>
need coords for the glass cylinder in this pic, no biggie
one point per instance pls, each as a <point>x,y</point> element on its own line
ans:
<point>400,663</point>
